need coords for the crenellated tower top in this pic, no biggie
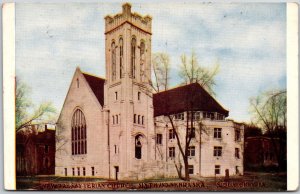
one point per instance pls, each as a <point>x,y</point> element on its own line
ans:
<point>135,19</point>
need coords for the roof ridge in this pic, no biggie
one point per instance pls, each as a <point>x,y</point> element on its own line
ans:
<point>179,86</point>
<point>93,75</point>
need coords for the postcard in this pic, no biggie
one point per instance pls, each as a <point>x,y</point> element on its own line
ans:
<point>151,96</point>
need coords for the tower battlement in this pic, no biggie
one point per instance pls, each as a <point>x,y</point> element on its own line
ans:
<point>142,22</point>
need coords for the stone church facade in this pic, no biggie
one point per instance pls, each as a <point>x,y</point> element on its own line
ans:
<point>116,128</point>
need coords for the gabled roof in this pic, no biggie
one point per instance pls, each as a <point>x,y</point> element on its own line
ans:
<point>188,97</point>
<point>97,85</point>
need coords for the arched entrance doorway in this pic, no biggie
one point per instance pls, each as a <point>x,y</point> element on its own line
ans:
<point>138,146</point>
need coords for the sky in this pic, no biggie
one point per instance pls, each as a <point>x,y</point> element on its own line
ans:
<point>247,40</point>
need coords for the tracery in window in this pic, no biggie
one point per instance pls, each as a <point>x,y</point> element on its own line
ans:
<point>133,48</point>
<point>121,56</point>
<point>79,142</point>
<point>142,60</point>
<point>113,60</point>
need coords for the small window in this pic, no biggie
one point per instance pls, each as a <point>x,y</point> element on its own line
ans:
<point>179,116</point>
<point>191,169</point>
<point>159,139</point>
<point>116,95</point>
<point>217,169</point>
<point>134,118</point>
<point>115,149</point>
<point>237,136</point>
<point>113,119</point>
<point>217,133</point>
<point>73,171</point>
<point>196,116</point>
<point>191,132</point>
<point>208,115</point>
<point>77,83</point>
<point>93,171</point>
<point>139,119</point>
<point>142,120</point>
<point>237,152</point>
<point>171,152</point>
<point>171,134</point>
<point>191,151</point>
<point>139,95</point>
<point>66,172</point>
<point>117,119</point>
<point>78,171</point>
<point>46,149</point>
<point>220,117</point>
<point>217,151</point>
<point>83,171</point>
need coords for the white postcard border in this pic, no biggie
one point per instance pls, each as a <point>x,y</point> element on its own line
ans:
<point>292,98</point>
<point>9,95</point>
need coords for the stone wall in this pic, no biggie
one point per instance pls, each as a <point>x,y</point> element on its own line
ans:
<point>82,98</point>
<point>204,162</point>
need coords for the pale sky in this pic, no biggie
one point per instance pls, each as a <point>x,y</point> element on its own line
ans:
<point>247,40</point>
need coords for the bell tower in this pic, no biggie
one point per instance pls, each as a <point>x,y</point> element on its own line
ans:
<point>128,94</point>
<point>128,46</point>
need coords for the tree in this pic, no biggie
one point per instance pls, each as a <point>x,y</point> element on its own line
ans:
<point>27,113</point>
<point>190,72</point>
<point>161,71</point>
<point>269,112</point>
<point>60,139</point>
<point>251,130</point>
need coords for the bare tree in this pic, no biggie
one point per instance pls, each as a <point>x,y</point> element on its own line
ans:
<point>190,72</point>
<point>27,113</point>
<point>251,130</point>
<point>269,112</point>
<point>161,70</point>
<point>60,139</point>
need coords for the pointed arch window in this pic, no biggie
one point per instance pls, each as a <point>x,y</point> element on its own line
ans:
<point>121,56</point>
<point>138,147</point>
<point>79,141</point>
<point>113,60</point>
<point>133,48</point>
<point>142,60</point>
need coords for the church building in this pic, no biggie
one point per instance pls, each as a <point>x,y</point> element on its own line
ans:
<point>116,128</point>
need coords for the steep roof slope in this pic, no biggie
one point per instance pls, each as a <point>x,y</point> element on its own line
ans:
<point>188,97</point>
<point>97,85</point>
